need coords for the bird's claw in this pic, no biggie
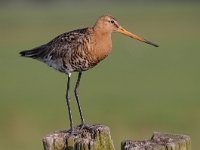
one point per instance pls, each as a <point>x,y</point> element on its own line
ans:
<point>84,126</point>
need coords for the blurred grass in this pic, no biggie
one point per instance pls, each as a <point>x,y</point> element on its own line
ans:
<point>138,89</point>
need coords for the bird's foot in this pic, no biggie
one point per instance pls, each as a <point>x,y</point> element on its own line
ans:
<point>79,129</point>
<point>84,126</point>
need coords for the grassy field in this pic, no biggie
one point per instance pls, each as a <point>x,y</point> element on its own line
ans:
<point>137,90</point>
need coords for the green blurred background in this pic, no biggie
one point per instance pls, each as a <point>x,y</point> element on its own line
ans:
<point>137,90</point>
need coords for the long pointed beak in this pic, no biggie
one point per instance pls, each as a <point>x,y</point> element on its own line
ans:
<point>125,32</point>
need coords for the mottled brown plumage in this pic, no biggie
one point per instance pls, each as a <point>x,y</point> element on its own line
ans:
<point>80,50</point>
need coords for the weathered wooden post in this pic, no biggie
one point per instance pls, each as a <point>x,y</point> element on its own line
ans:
<point>159,141</point>
<point>94,137</point>
<point>97,137</point>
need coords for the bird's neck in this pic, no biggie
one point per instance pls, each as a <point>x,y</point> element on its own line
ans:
<point>103,44</point>
<point>99,29</point>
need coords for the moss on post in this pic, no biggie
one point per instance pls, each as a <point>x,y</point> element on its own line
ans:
<point>159,141</point>
<point>94,137</point>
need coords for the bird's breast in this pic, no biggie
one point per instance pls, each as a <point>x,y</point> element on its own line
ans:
<point>102,47</point>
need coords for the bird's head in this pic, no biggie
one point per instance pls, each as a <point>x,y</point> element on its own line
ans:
<point>108,24</point>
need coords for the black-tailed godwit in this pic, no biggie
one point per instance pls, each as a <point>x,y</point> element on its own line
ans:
<point>78,51</point>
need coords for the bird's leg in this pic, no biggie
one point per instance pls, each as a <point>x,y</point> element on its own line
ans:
<point>77,97</point>
<point>68,103</point>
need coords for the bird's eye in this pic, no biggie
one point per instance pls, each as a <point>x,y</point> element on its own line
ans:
<point>112,21</point>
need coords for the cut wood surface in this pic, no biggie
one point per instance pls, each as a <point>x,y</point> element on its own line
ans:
<point>93,137</point>
<point>159,141</point>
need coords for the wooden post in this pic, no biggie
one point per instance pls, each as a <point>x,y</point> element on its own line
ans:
<point>97,137</point>
<point>94,137</point>
<point>159,141</point>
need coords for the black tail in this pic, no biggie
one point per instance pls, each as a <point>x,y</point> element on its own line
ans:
<point>35,53</point>
<point>28,53</point>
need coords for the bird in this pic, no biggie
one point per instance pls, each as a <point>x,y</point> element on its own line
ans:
<point>78,51</point>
